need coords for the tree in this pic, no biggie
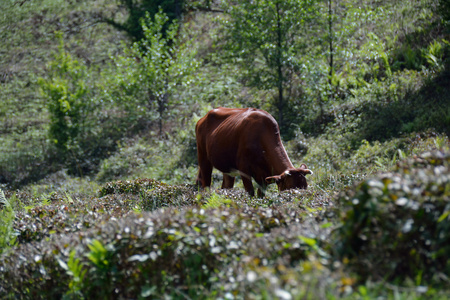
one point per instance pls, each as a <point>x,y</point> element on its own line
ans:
<point>267,38</point>
<point>444,10</point>
<point>333,39</point>
<point>138,9</point>
<point>151,68</point>
<point>66,93</point>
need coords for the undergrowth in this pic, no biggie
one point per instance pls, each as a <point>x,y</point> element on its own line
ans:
<point>218,243</point>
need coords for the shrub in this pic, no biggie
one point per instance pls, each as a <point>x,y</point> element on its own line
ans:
<point>397,225</point>
<point>68,216</point>
<point>152,194</point>
<point>66,93</point>
<point>126,161</point>
<point>169,159</point>
<point>152,68</point>
<point>6,220</point>
<point>193,252</point>
<point>25,157</point>
<point>62,213</point>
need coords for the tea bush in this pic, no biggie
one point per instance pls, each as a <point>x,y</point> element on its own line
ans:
<point>61,212</point>
<point>396,225</point>
<point>152,194</point>
<point>172,252</point>
<point>64,216</point>
<point>129,186</point>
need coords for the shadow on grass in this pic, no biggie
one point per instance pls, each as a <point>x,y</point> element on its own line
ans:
<point>428,109</point>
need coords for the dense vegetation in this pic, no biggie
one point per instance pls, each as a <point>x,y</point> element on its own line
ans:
<point>98,104</point>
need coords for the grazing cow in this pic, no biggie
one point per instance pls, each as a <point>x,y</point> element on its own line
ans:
<point>246,142</point>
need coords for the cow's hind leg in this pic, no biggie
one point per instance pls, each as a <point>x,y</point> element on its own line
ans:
<point>204,174</point>
<point>228,181</point>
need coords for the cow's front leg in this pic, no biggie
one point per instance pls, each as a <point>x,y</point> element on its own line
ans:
<point>248,185</point>
<point>261,193</point>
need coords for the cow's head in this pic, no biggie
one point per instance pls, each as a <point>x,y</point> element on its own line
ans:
<point>291,179</point>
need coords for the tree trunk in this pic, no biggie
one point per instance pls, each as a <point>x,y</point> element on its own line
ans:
<point>330,31</point>
<point>280,102</point>
<point>161,108</point>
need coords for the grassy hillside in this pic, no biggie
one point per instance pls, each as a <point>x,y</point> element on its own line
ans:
<point>113,212</point>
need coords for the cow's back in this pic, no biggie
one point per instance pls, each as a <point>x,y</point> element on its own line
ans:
<point>231,137</point>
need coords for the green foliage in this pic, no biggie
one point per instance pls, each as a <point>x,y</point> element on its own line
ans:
<point>7,215</point>
<point>138,10</point>
<point>168,159</point>
<point>98,255</point>
<point>152,68</point>
<point>81,130</point>
<point>216,201</point>
<point>24,157</point>
<point>133,187</point>
<point>127,161</point>
<point>262,37</point>
<point>399,222</point>
<point>367,58</point>
<point>65,91</point>
<point>434,54</point>
<point>152,194</point>
<point>75,269</point>
<point>444,11</point>
<point>28,49</point>
<point>192,251</point>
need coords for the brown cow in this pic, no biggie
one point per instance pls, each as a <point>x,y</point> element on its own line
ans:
<point>246,142</point>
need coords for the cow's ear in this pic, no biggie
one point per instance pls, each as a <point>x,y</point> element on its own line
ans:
<point>273,179</point>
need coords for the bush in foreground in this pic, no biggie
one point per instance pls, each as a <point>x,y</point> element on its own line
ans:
<point>396,225</point>
<point>189,252</point>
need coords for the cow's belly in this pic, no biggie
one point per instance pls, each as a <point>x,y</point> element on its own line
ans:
<point>226,167</point>
<point>224,161</point>
<point>233,172</point>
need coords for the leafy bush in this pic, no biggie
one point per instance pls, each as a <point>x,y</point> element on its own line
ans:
<point>397,225</point>
<point>66,213</point>
<point>136,11</point>
<point>81,134</point>
<point>66,92</point>
<point>192,252</point>
<point>170,159</point>
<point>28,49</point>
<point>74,245</point>
<point>152,194</point>
<point>6,223</point>
<point>128,160</point>
<point>25,157</point>
<point>151,69</point>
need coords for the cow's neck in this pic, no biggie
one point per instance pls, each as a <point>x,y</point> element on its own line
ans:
<point>281,160</point>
